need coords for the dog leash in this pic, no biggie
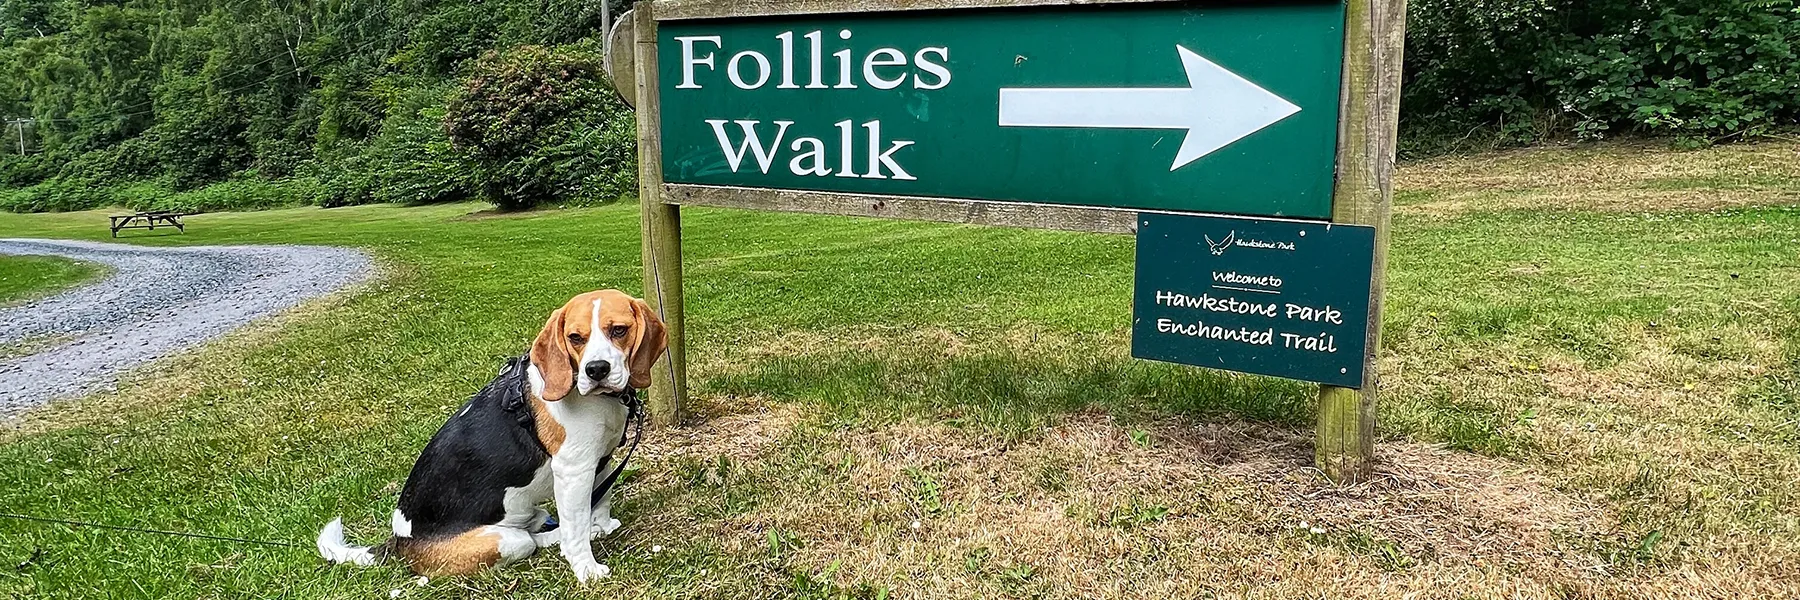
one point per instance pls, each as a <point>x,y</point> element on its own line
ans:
<point>145,530</point>
<point>634,422</point>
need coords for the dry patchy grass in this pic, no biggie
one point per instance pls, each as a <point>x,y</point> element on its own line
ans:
<point>1612,177</point>
<point>1096,509</point>
<point>1650,468</point>
<point>1696,479</point>
<point>1095,506</point>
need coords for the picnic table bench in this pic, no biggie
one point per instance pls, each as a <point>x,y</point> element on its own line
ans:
<point>148,220</point>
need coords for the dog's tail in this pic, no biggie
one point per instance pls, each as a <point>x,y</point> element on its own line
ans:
<point>333,547</point>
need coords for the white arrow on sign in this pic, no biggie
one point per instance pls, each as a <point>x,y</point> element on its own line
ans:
<point>1217,108</point>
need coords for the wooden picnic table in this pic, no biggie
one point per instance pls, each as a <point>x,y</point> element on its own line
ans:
<point>148,220</point>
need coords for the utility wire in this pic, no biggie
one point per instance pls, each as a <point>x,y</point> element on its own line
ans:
<point>151,531</point>
<point>302,68</point>
<point>385,8</point>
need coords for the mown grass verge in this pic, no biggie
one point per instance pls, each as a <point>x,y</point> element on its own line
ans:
<point>24,278</point>
<point>1581,399</point>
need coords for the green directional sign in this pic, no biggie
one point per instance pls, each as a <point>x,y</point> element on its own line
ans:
<point>1229,107</point>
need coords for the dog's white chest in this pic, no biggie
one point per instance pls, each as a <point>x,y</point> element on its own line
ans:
<point>592,425</point>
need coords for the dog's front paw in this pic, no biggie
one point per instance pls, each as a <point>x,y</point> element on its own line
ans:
<point>590,571</point>
<point>606,528</point>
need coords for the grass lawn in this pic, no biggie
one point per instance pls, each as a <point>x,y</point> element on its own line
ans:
<point>1590,390</point>
<point>25,278</point>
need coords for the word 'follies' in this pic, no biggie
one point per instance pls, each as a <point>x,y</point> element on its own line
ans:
<point>803,63</point>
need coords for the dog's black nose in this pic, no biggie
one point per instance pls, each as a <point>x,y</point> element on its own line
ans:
<point>598,369</point>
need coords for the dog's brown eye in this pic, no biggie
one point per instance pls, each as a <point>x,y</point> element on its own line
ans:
<point>618,331</point>
<point>577,339</point>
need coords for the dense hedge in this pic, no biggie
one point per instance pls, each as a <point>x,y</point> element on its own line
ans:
<point>216,104</point>
<point>207,104</point>
<point>1525,70</point>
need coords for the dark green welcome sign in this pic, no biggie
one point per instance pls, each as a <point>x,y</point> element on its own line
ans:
<point>1228,108</point>
<point>1282,298</point>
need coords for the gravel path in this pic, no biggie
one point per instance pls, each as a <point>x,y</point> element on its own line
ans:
<point>156,302</point>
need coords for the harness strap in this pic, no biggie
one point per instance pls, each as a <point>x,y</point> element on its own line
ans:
<point>634,424</point>
<point>514,381</point>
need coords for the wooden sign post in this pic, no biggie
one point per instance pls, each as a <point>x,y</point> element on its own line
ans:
<point>1374,43</point>
<point>1057,114</point>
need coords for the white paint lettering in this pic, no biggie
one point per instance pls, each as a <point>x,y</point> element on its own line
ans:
<point>737,78</point>
<point>751,143</point>
<point>1254,337</point>
<point>846,134</point>
<point>893,59</point>
<point>939,69</point>
<point>1307,313</point>
<point>843,56</point>
<point>816,155</point>
<point>688,60</point>
<point>818,60</point>
<point>1215,304</point>
<point>879,158</point>
<point>1323,342</point>
<point>787,61</point>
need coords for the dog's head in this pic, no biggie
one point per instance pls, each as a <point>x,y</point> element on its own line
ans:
<point>598,341</point>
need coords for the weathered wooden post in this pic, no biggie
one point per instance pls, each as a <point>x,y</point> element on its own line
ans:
<point>661,225</point>
<point>1374,43</point>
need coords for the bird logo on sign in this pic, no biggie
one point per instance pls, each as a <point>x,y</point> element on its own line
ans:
<point>1218,248</point>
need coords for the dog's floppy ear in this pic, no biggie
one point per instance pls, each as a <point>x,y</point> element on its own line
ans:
<point>551,356</point>
<point>653,339</point>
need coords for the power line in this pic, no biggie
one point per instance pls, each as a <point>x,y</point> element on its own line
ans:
<point>385,8</point>
<point>296,70</point>
<point>153,531</point>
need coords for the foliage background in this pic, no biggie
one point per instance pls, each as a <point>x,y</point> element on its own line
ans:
<point>1526,71</point>
<point>219,104</point>
<point>222,104</point>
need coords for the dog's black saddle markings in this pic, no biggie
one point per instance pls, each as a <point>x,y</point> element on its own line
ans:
<point>489,445</point>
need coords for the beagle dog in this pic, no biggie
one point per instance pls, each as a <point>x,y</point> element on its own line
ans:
<point>545,429</point>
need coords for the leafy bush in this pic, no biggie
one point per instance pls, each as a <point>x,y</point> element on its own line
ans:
<point>248,193</point>
<point>55,195</point>
<point>136,102</point>
<point>541,124</point>
<point>23,199</point>
<point>1529,69</point>
<point>236,194</point>
<point>199,138</point>
<point>132,159</point>
<point>20,171</point>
